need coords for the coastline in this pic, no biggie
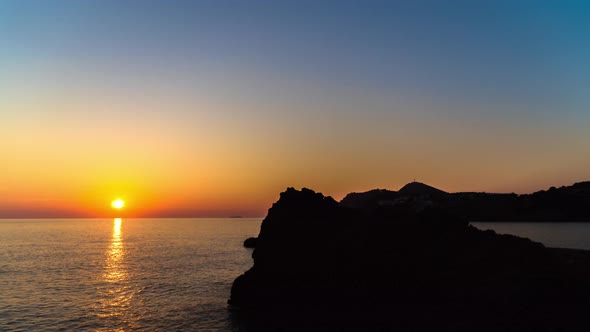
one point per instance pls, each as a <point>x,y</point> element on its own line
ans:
<point>409,267</point>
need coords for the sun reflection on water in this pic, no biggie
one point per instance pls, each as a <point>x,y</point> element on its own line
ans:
<point>116,296</point>
<point>115,270</point>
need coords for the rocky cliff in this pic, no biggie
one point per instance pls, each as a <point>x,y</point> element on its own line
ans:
<point>321,266</point>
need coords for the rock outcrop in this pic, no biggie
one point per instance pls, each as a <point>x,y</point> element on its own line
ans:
<point>322,266</point>
<point>250,242</point>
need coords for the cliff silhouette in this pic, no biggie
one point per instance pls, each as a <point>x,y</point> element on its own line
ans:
<point>389,261</point>
<point>564,204</point>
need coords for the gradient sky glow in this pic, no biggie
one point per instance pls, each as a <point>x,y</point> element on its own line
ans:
<point>211,108</point>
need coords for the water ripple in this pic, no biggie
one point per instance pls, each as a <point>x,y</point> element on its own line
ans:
<point>120,275</point>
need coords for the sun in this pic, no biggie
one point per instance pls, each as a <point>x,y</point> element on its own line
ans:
<point>118,204</point>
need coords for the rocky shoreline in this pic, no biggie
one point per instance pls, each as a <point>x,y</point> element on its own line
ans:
<point>322,266</point>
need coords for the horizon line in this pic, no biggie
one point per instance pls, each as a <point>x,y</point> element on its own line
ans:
<point>34,218</point>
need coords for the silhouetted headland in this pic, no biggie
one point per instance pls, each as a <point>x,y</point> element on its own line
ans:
<point>564,204</point>
<point>400,261</point>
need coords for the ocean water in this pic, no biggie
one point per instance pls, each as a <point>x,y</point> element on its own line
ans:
<point>574,235</point>
<point>149,274</point>
<point>121,274</point>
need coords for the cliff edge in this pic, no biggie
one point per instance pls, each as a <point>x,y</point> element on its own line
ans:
<point>321,266</point>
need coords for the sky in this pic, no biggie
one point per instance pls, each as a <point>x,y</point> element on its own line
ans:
<point>212,108</point>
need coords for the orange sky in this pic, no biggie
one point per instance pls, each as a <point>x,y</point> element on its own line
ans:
<point>199,109</point>
<point>59,163</point>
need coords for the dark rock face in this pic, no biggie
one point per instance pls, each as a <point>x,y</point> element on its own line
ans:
<point>250,242</point>
<point>320,266</point>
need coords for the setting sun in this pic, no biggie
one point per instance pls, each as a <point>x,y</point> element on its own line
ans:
<point>118,204</point>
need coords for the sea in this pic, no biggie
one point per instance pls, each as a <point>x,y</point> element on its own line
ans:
<point>121,274</point>
<point>573,235</point>
<point>149,274</point>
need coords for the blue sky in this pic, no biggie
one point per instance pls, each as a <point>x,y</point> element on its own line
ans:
<point>520,52</point>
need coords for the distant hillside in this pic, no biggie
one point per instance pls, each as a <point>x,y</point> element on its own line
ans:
<point>417,188</point>
<point>369,198</point>
<point>568,203</point>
